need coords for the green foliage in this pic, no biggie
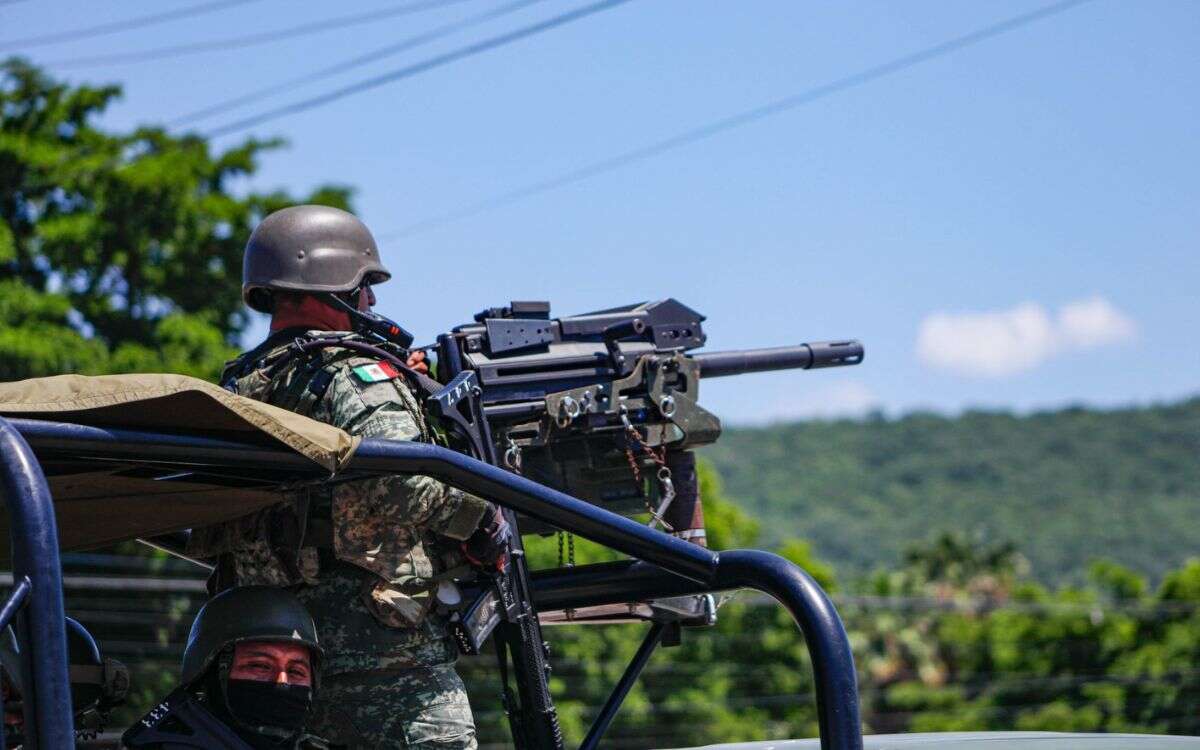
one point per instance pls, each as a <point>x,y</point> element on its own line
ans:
<point>37,338</point>
<point>991,651</point>
<point>956,638</point>
<point>119,252</point>
<point>1066,486</point>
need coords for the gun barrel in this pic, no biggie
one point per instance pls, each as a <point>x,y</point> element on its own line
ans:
<point>802,357</point>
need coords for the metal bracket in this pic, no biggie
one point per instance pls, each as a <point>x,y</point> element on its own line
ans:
<point>515,334</point>
<point>458,404</point>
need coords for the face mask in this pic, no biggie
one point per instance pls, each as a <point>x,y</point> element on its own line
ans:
<point>268,704</point>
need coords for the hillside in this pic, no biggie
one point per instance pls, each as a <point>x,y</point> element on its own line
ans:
<point>1066,486</point>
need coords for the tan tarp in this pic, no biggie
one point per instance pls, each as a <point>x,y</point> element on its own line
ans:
<point>171,402</point>
<point>101,505</point>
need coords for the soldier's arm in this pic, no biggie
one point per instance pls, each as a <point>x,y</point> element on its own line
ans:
<point>382,410</point>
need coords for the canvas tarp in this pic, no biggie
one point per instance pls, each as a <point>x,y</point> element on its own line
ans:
<point>101,504</point>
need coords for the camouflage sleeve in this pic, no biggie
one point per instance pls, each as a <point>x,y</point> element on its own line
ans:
<point>387,409</point>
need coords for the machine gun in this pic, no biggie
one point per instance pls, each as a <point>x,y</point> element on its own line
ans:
<point>602,406</point>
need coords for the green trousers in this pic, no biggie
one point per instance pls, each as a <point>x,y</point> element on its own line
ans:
<point>422,707</point>
<point>383,687</point>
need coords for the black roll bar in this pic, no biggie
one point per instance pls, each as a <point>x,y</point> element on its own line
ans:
<point>37,595</point>
<point>634,580</point>
<point>609,711</point>
<point>691,568</point>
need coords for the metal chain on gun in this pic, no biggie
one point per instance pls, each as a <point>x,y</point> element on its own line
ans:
<point>569,560</point>
<point>666,486</point>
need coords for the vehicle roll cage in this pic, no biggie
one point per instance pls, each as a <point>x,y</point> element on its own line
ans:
<point>663,565</point>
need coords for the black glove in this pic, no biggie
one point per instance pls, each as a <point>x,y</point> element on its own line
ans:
<point>488,546</point>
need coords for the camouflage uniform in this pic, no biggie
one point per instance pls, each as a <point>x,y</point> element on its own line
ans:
<point>370,580</point>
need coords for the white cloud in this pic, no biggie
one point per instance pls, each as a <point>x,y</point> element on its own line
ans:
<point>1094,322</point>
<point>832,401</point>
<point>991,344</point>
<point>1005,342</point>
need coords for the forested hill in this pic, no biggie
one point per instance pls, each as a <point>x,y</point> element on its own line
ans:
<point>1066,486</point>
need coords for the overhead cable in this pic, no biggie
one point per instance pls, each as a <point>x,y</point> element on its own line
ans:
<point>746,117</point>
<point>347,65</point>
<point>251,40</point>
<point>416,68</point>
<point>126,25</point>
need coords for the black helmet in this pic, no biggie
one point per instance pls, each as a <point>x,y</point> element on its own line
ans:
<point>97,684</point>
<point>247,613</point>
<point>309,249</point>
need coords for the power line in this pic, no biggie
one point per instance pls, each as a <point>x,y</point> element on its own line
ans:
<point>126,25</point>
<point>251,40</point>
<point>746,117</point>
<point>346,65</point>
<point>414,69</point>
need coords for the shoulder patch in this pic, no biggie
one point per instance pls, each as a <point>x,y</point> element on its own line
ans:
<point>376,372</point>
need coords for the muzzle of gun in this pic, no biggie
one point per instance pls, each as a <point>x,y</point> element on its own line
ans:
<point>803,357</point>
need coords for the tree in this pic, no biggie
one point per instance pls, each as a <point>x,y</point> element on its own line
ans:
<point>1111,656</point>
<point>119,252</point>
<point>1066,486</point>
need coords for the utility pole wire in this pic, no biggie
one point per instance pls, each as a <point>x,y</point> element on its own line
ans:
<point>346,65</point>
<point>116,26</point>
<point>747,117</point>
<point>250,40</point>
<point>412,70</point>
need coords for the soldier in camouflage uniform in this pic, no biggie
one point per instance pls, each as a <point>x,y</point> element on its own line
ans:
<point>367,556</point>
<point>250,669</point>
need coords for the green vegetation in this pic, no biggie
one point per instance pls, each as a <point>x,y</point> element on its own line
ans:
<point>955,637</point>
<point>119,252</point>
<point>1065,486</point>
<point>976,645</point>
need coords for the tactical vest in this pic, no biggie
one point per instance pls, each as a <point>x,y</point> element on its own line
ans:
<point>281,546</point>
<point>181,720</point>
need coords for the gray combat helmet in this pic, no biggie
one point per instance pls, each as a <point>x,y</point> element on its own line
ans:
<point>247,613</point>
<point>309,249</point>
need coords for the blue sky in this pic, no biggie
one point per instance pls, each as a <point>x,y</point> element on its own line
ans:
<point>1012,225</point>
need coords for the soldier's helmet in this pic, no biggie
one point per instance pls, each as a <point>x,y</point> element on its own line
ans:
<point>97,684</point>
<point>309,249</point>
<point>247,613</point>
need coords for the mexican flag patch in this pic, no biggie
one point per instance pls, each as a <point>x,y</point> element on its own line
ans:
<point>376,372</point>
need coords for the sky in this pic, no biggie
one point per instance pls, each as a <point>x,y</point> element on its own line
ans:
<point>1012,223</point>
